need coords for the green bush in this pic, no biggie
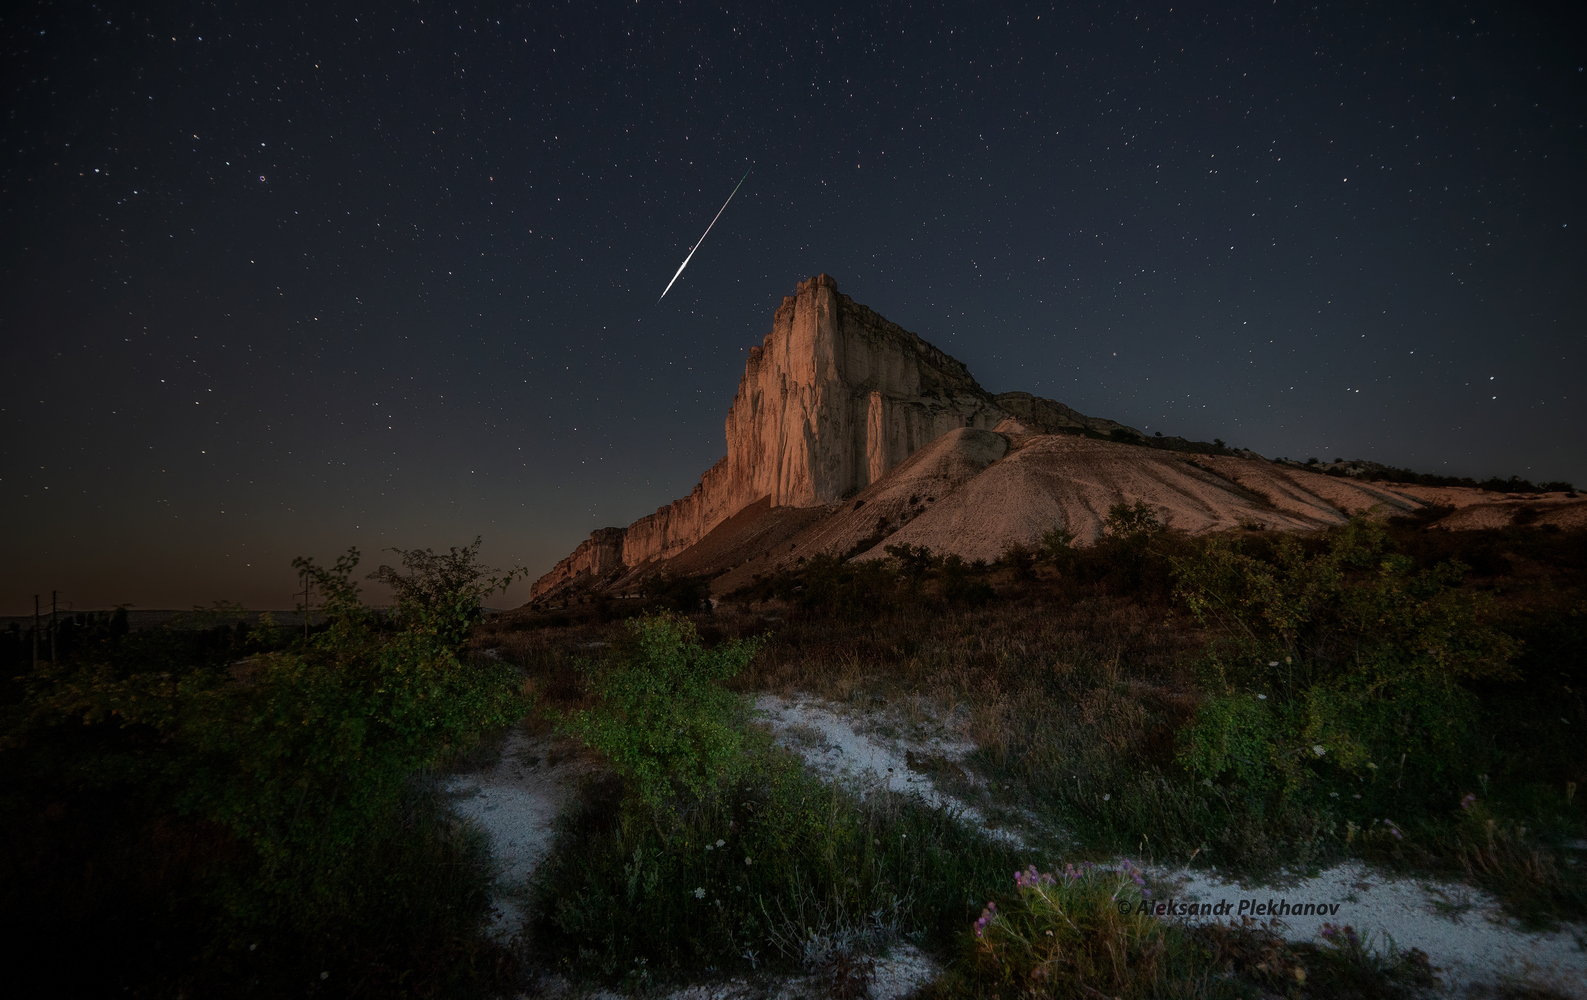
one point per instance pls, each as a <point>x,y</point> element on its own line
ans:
<point>1333,661</point>
<point>661,717</point>
<point>292,765</point>
<point>715,848</point>
<point>1132,520</point>
<point>1076,932</point>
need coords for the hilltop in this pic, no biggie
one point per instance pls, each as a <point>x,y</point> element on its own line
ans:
<point>849,434</point>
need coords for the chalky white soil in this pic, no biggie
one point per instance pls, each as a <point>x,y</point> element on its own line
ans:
<point>516,801</point>
<point>1461,929</point>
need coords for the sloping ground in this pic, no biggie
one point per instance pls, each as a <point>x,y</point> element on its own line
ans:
<point>758,528</point>
<point>1548,511</point>
<point>976,492</point>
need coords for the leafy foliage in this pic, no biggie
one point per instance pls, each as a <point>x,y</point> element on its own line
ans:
<point>1335,658</point>
<point>1132,520</point>
<point>297,758</point>
<point>662,718</point>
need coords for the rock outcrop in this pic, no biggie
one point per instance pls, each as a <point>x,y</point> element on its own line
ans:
<point>848,433</point>
<point>834,398</point>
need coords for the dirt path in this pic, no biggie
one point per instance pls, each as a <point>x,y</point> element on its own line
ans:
<point>516,801</point>
<point>1460,928</point>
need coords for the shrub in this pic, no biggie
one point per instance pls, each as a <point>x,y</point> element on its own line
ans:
<point>961,583</point>
<point>684,595</point>
<point>1132,520</point>
<point>1334,660</point>
<point>293,764</point>
<point>847,589</point>
<point>661,718</point>
<point>1057,544</point>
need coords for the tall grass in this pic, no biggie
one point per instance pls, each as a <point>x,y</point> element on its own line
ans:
<point>1082,679</point>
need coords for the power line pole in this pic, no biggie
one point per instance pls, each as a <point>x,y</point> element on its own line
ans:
<point>35,632</point>
<point>305,606</point>
<point>52,624</point>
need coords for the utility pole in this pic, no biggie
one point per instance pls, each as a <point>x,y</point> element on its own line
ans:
<point>305,606</point>
<point>35,632</point>
<point>52,624</point>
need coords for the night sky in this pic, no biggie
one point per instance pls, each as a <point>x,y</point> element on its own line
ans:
<point>281,278</point>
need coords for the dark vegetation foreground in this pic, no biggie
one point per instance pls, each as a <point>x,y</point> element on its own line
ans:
<point>233,812</point>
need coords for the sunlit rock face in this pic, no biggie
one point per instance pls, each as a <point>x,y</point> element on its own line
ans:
<point>834,397</point>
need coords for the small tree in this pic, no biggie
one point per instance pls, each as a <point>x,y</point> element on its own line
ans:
<point>442,592</point>
<point>1057,544</point>
<point>1131,521</point>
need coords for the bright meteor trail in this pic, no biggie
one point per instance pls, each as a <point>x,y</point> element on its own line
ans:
<point>703,235</point>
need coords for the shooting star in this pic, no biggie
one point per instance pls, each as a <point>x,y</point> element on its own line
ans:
<point>703,235</point>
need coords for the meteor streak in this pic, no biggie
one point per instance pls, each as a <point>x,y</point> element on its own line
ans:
<point>703,235</point>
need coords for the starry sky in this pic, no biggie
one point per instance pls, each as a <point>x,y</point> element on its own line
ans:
<point>282,278</point>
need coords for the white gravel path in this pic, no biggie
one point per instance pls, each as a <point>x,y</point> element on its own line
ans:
<point>1460,928</point>
<point>1468,938</point>
<point>516,801</point>
<point>837,746</point>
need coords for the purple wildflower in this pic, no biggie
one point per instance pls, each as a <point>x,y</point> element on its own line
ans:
<point>986,918</point>
<point>1468,801</point>
<point>1030,878</point>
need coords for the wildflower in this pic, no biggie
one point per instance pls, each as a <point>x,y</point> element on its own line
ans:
<point>1030,878</point>
<point>708,847</point>
<point>1468,801</point>
<point>1272,663</point>
<point>746,862</point>
<point>1261,697</point>
<point>720,843</point>
<point>986,918</point>
<point>1318,749</point>
<point>699,894</point>
<point>1107,797</point>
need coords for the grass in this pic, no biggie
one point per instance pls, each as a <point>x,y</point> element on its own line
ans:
<point>153,786</point>
<point>1078,679</point>
<point>782,871</point>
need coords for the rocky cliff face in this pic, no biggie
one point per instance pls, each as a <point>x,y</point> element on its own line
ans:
<point>834,398</point>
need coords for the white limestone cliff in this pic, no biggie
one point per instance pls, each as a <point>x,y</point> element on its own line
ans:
<point>834,397</point>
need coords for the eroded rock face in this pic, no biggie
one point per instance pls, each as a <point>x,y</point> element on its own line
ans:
<point>834,397</point>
